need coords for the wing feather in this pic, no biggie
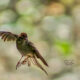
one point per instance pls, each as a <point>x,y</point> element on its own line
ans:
<point>8,36</point>
<point>37,53</point>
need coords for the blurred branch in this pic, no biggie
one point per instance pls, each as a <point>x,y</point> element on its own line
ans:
<point>12,4</point>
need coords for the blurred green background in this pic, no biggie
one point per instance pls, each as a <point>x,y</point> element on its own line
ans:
<point>53,26</point>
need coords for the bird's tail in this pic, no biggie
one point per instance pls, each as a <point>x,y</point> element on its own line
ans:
<point>42,59</point>
<point>39,65</point>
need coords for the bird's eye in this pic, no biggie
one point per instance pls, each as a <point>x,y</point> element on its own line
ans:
<point>19,40</point>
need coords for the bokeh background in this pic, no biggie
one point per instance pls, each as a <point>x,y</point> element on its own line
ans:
<point>54,28</point>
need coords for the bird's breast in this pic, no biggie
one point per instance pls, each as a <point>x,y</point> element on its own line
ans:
<point>23,47</point>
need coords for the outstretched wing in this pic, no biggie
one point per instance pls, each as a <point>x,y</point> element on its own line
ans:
<point>36,52</point>
<point>8,36</point>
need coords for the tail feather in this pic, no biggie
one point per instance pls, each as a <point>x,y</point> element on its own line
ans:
<point>37,63</point>
<point>42,59</point>
<point>36,52</point>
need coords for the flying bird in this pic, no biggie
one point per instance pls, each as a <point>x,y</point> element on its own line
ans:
<point>26,48</point>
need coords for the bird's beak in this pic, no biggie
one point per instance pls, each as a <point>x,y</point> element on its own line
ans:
<point>26,39</point>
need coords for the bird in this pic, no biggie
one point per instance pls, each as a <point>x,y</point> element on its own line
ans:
<point>26,49</point>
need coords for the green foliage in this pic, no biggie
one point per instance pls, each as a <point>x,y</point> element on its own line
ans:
<point>65,47</point>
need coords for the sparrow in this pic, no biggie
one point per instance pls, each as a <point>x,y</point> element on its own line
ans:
<point>26,49</point>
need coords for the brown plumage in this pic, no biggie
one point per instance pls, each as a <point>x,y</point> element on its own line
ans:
<point>26,48</point>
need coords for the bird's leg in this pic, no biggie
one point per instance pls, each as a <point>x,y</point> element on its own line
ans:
<point>32,60</point>
<point>18,64</point>
<point>26,60</point>
<point>29,63</point>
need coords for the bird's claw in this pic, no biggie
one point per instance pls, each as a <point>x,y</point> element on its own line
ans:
<point>29,64</point>
<point>23,62</point>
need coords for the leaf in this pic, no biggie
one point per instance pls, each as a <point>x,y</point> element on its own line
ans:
<point>65,47</point>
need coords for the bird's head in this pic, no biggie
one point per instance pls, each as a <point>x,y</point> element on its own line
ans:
<point>23,35</point>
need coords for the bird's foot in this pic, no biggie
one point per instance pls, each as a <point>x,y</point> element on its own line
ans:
<point>26,60</point>
<point>29,63</point>
<point>23,62</point>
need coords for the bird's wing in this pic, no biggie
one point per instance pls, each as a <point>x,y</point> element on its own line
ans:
<point>8,36</point>
<point>36,52</point>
